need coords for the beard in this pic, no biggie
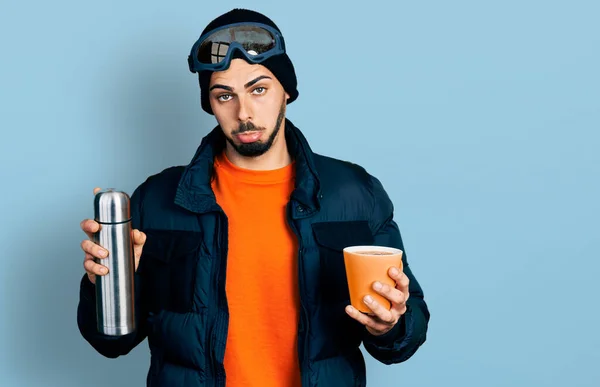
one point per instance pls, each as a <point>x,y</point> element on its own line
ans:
<point>257,148</point>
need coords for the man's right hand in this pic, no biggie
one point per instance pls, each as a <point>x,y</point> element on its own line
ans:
<point>92,250</point>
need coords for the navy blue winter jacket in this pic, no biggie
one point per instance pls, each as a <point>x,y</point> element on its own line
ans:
<point>181,305</point>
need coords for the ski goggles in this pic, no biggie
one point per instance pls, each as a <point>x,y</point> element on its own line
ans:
<point>214,50</point>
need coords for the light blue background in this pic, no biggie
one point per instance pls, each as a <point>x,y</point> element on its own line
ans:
<point>481,118</point>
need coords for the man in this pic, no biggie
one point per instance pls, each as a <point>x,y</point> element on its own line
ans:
<point>240,275</point>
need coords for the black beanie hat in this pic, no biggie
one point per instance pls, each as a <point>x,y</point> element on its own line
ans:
<point>280,65</point>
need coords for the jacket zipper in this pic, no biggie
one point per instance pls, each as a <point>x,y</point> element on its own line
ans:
<point>303,314</point>
<point>217,327</point>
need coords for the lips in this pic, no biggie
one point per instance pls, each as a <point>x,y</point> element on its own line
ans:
<point>248,137</point>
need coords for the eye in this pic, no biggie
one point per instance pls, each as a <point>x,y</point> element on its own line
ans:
<point>259,90</point>
<point>224,97</point>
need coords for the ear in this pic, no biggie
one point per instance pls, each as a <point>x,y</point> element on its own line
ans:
<point>287,96</point>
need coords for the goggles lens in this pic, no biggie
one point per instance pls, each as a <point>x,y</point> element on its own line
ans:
<point>254,40</point>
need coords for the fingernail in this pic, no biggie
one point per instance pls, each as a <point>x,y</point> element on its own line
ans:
<point>102,253</point>
<point>349,309</point>
<point>103,270</point>
<point>368,299</point>
<point>377,285</point>
<point>394,271</point>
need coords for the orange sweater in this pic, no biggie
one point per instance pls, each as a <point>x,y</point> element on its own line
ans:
<point>262,280</point>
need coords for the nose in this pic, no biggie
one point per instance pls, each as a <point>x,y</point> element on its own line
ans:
<point>244,109</point>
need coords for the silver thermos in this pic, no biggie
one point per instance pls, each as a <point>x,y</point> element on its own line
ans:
<point>115,290</point>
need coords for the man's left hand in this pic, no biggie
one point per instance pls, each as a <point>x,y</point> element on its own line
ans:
<point>383,320</point>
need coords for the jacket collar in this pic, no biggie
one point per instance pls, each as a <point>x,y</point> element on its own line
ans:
<point>194,191</point>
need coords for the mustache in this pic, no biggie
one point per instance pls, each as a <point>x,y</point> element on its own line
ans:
<point>246,127</point>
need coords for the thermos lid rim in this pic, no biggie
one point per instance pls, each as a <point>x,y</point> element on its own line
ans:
<point>112,206</point>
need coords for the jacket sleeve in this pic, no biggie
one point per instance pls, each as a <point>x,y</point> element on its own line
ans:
<point>112,346</point>
<point>402,341</point>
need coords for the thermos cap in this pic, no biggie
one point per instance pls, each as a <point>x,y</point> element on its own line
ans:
<point>111,206</point>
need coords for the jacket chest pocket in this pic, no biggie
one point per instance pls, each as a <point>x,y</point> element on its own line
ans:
<point>168,270</point>
<point>332,238</point>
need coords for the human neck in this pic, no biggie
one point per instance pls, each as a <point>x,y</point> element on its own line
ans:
<point>276,157</point>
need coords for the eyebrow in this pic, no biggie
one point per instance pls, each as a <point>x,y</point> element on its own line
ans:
<point>247,85</point>
<point>252,82</point>
<point>219,86</point>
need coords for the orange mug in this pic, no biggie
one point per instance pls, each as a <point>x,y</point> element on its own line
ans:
<point>364,266</point>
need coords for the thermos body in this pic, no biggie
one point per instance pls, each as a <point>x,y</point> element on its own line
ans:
<point>115,306</point>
